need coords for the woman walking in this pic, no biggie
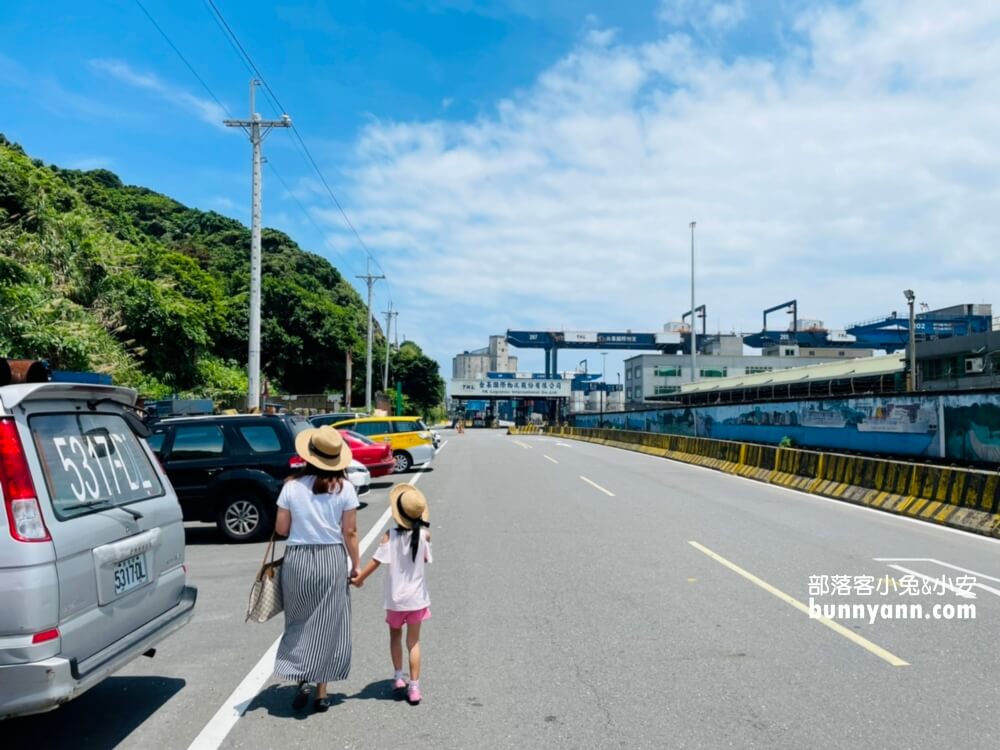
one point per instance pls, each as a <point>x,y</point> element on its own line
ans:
<point>317,510</point>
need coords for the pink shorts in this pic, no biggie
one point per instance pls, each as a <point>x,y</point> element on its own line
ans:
<point>398,619</point>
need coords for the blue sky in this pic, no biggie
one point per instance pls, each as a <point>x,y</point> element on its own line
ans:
<point>515,164</point>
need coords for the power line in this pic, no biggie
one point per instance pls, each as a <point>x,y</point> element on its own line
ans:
<point>241,52</point>
<point>181,56</point>
<point>295,198</point>
<point>247,60</point>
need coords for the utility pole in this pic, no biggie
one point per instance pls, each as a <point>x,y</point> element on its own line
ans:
<point>370,279</point>
<point>694,317</point>
<point>389,315</point>
<point>256,129</point>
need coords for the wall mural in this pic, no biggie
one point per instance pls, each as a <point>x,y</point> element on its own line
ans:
<point>963,427</point>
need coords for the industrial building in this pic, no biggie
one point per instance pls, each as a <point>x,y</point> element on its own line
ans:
<point>658,377</point>
<point>493,358</point>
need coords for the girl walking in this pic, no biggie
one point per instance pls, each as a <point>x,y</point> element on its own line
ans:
<point>406,550</point>
<point>317,510</point>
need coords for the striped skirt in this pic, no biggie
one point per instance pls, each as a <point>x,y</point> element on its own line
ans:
<point>316,645</point>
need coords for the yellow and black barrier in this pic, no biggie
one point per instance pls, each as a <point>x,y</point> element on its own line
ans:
<point>527,429</point>
<point>963,498</point>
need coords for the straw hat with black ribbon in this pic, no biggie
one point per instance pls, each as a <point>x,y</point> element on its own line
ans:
<point>324,448</point>
<point>409,509</point>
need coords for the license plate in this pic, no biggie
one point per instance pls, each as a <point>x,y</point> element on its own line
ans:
<point>130,574</point>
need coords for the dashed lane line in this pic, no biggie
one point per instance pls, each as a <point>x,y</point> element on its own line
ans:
<point>592,483</point>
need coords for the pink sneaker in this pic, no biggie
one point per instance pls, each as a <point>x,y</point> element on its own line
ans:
<point>413,694</point>
<point>399,684</point>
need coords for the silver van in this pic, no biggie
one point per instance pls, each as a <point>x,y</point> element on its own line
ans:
<point>91,543</point>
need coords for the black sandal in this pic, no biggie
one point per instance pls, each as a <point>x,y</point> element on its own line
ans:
<point>301,696</point>
<point>322,704</point>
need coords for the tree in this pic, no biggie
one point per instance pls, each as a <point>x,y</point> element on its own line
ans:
<point>421,381</point>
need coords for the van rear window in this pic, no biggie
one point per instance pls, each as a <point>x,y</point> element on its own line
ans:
<point>92,461</point>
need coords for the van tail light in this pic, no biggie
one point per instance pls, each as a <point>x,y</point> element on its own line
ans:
<point>296,462</point>
<point>45,636</point>
<point>24,514</point>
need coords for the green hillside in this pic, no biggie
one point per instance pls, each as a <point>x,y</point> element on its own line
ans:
<point>100,276</point>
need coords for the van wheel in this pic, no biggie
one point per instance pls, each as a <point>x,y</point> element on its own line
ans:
<point>403,462</point>
<point>243,518</point>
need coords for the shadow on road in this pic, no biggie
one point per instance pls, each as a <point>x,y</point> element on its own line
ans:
<point>380,690</point>
<point>277,701</point>
<point>103,717</point>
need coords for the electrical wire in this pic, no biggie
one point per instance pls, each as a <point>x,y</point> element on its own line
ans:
<point>245,58</point>
<point>183,59</point>
<point>252,67</point>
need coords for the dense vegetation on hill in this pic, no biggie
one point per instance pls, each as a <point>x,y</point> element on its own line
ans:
<point>96,275</point>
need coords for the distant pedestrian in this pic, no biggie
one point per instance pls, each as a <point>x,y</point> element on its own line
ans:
<point>317,510</point>
<point>406,550</point>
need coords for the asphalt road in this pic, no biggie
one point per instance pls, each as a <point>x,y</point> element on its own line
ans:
<point>564,616</point>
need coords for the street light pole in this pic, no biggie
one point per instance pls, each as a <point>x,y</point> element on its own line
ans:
<point>910,298</point>
<point>694,316</point>
<point>604,383</point>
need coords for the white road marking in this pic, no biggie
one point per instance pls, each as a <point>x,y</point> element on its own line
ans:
<point>848,506</point>
<point>551,459</point>
<point>595,484</point>
<point>935,581</point>
<point>523,445</point>
<point>565,445</point>
<point>975,574</point>
<point>220,725</point>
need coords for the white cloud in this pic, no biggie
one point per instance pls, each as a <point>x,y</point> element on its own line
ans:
<point>204,109</point>
<point>702,14</point>
<point>862,162</point>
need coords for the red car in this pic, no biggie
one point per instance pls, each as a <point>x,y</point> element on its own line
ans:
<point>377,457</point>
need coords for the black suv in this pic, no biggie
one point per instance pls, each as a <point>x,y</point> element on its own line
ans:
<point>229,469</point>
<point>323,419</point>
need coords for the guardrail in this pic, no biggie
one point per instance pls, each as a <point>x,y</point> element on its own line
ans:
<point>967,499</point>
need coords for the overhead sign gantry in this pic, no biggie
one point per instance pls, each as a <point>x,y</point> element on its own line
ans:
<point>553,341</point>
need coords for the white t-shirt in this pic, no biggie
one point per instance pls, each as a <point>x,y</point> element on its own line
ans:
<point>316,518</point>
<point>405,585</point>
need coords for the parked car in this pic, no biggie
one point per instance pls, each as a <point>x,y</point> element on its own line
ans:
<point>377,457</point>
<point>411,441</point>
<point>92,569</point>
<point>319,420</point>
<point>359,476</point>
<point>228,469</point>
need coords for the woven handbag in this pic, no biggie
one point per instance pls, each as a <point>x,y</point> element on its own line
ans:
<point>265,595</point>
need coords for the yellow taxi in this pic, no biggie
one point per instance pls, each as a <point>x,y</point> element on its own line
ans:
<point>412,442</point>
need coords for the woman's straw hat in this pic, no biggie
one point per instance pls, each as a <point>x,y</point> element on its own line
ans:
<point>324,448</point>
<point>407,503</point>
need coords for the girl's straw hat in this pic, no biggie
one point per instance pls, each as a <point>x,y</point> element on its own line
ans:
<point>408,504</point>
<point>324,448</point>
